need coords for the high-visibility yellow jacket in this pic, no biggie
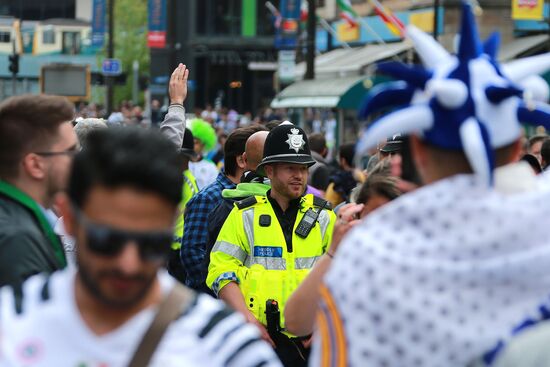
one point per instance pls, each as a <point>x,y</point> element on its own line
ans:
<point>189,189</point>
<point>251,251</point>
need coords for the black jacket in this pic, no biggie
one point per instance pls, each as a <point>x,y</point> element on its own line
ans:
<point>24,248</point>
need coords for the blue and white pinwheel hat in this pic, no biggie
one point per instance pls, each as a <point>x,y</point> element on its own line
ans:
<point>460,102</point>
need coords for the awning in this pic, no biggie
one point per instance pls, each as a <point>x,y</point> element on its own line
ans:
<point>353,62</point>
<point>522,46</point>
<point>345,93</point>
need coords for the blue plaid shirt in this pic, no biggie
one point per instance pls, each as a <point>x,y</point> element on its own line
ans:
<point>195,232</point>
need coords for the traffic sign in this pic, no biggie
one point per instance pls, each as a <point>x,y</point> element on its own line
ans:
<point>111,67</point>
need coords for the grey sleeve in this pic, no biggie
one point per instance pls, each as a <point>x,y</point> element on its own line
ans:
<point>173,126</point>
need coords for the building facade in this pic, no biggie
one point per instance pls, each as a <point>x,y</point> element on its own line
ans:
<point>228,47</point>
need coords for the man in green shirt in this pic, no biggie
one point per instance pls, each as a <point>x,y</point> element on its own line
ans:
<point>37,143</point>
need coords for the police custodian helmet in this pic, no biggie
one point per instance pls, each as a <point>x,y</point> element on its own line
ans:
<point>286,143</point>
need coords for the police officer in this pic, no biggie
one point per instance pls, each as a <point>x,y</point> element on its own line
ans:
<point>268,244</point>
<point>189,189</point>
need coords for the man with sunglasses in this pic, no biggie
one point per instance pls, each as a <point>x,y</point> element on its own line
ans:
<point>37,143</point>
<point>120,206</point>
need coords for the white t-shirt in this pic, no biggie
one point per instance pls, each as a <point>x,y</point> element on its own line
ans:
<point>438,277</point>
<point>49,331</point>
<point>69,244</point>
<point>205,172</point>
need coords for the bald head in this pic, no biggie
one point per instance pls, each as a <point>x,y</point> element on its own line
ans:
<point>254,149</point>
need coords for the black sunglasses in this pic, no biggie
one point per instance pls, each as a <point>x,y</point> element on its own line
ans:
<point>108,241</point>
<point>70,152</point>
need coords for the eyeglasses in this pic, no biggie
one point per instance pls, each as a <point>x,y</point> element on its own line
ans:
<point>70,152</point>
<point>108,241</point>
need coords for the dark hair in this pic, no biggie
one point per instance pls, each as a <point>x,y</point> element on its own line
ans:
<point>235,146</point>
<point>29,123</point>
<point>545,152</point>
<point>533,162</point>
<point>347,153</point>
<point>116,157</point>
<point>408,168</point>
<point>272,124</point>
<point>317,142</point>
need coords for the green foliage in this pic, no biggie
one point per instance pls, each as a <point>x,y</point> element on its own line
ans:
<point>130,25</point>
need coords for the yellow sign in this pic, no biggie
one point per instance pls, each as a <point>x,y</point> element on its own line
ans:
<point>423,20</point>
<point>347,33</point>
<point>527,9</point>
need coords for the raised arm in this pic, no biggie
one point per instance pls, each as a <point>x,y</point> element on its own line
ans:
<point>173,126</point>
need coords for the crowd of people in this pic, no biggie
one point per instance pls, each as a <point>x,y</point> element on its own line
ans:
<point>225,241</point>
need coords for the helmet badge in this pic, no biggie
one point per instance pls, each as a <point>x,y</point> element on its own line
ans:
<point>295,140</point>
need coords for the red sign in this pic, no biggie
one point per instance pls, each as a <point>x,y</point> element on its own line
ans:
<point>156,39</point>
<point>290,26</point>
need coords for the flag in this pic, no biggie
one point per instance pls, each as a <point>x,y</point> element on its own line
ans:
<point>304,10</point>
<point>347,12</point>
<point>392,22</point>
<point>275,13</point>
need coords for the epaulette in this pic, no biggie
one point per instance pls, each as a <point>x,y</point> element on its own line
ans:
<point>321,203</point>
<point>245,203</point>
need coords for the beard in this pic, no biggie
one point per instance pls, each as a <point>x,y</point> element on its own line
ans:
<point>91,282</point>
<point>286,191</point>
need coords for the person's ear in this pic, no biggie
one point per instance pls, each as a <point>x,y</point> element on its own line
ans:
<point>34,166</point>
<point>66,211</point>
<point>241,162</point>
<point>268,168</point>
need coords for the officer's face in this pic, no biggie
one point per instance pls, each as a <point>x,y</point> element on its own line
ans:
<point>288,179</point>
<point>124,277</point>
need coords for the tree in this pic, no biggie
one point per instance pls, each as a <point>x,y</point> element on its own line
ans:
<point>130,43</point>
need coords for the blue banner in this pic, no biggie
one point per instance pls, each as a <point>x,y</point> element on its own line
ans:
<point>289,27</point>
<point>156,37</point>
<point>98,22</point>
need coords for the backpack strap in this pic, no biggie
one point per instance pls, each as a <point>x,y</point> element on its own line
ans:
<point>176,303</point>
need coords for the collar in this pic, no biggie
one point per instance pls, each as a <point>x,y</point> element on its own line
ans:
<point>293,204</point>
<point>50,216</point>
<point>36,210</point>
<point>224,181</point>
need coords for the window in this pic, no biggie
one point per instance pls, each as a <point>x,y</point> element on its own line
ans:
<point>5,37</point>
<point>48,36</point>
<point>70,43</point>
<point>221,18</point>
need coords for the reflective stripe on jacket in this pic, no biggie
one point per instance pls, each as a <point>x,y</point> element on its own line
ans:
<point>255,255</point>
<point>189,189</point>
